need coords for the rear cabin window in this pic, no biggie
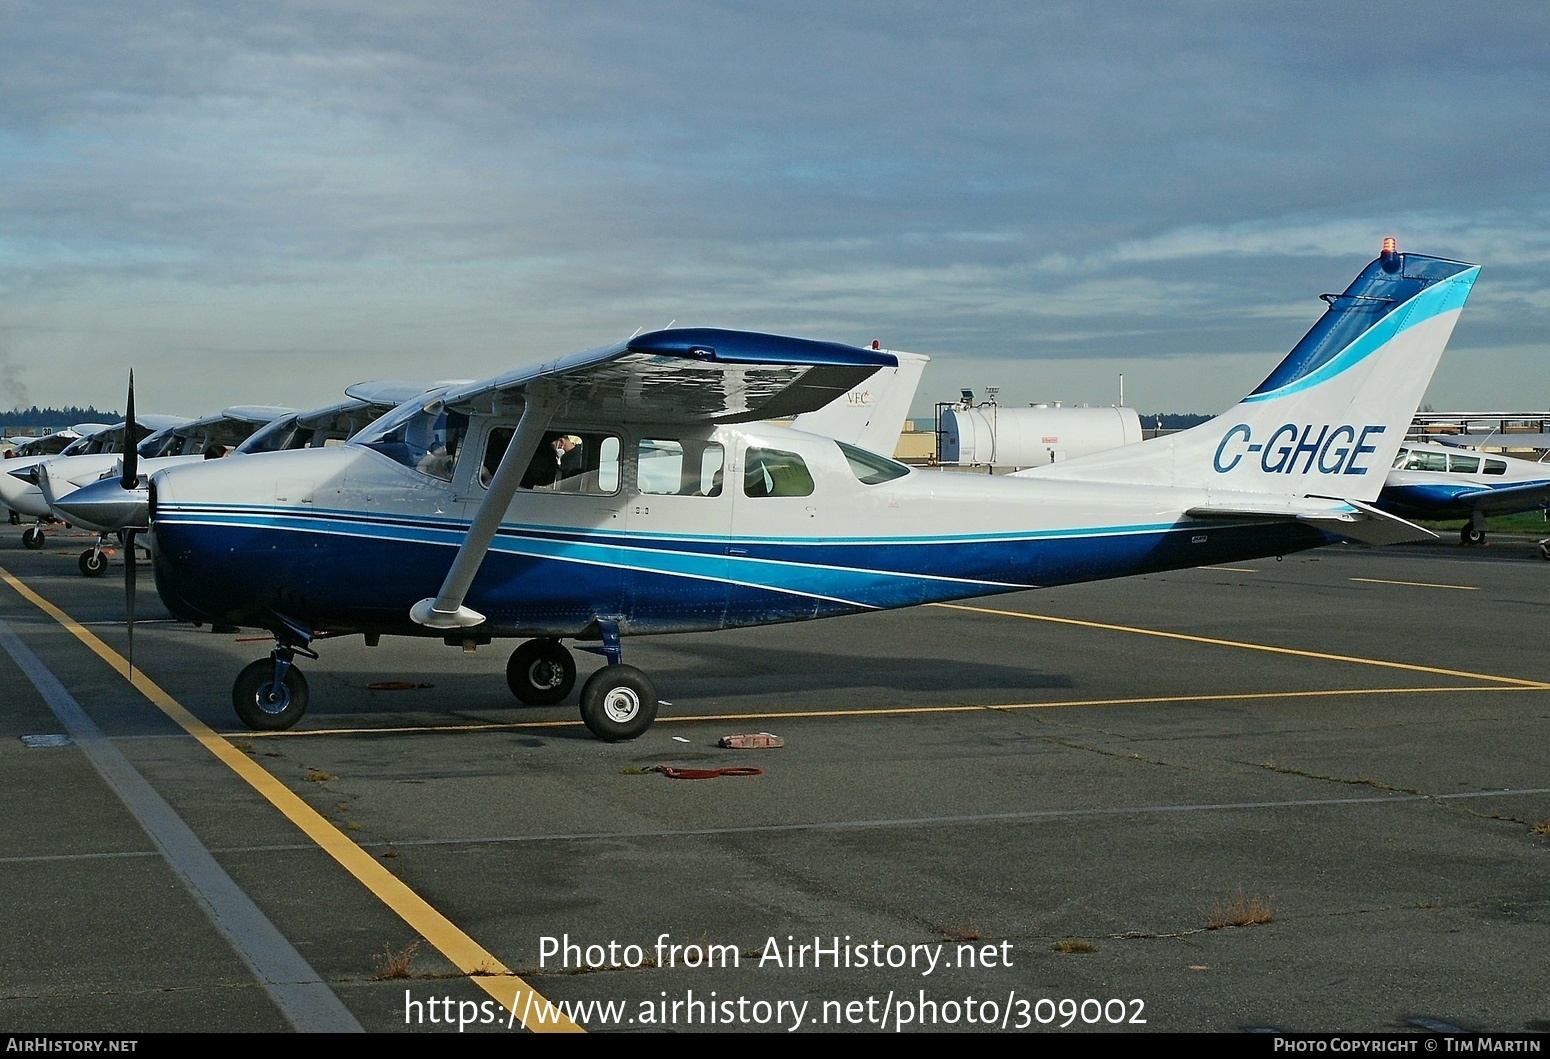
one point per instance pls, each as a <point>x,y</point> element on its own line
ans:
<point>1495,466</point>
<point>870,468</point>
<point>1464,464</point>
<point>772,472</point>
<point>669,467</point>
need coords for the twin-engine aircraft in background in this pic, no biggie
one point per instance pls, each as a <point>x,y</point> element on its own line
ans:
<point>1432,481</point>
<point>639,488</point>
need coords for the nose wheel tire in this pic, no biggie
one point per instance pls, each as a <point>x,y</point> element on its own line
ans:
<point>264,707</point>
<point>618,703</point>
<point>541,672</point>
<point>32,538</point>
<point>92,563</point>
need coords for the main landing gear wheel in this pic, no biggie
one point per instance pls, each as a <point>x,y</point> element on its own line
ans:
<point>92,563</point>
<point>618,703</point>
<point>1471,535</point>
<point>32,538</point>
<point>264,707</point>
<point>1544,549</point>
<point>14,519</point>
<point>541,672</point>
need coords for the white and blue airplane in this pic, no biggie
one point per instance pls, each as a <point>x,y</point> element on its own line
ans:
<point>639,489</point>
<point>1432,481</point>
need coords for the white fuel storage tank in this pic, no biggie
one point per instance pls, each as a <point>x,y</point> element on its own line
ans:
<point>989,435</point>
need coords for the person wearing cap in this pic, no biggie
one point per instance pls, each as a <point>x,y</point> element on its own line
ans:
<point>572,458</point>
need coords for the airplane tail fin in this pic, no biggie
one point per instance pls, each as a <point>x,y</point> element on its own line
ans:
<point>1328,421</point>
<point>872,415</point>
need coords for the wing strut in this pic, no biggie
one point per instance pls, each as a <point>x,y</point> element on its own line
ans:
<point>446,610</point>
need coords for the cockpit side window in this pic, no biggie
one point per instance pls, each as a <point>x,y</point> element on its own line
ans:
<point>773,472</point>
<point>585,462</point>
<point>1427,461</point>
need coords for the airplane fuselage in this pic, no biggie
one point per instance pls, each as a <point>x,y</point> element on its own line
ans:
<point>727,527</point>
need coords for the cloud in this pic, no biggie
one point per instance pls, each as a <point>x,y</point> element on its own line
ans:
<point>305,181</point>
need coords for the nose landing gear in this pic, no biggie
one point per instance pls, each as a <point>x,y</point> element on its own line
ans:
<point>270,695</point>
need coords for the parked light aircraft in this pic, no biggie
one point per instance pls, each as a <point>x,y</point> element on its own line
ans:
<point>107,506</point>
<point>454,517</point>
<point>196,439</point>
<point>1432,481</point>
<point>20,488</point>
<point>41,447</point>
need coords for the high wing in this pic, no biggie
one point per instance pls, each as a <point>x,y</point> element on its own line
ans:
<point>392,392</point>
<point>256,413</point>
<point>681,376</point>
<point>688,375</point>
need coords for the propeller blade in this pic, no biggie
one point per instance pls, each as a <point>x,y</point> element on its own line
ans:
<point>131,455</point>
<point>129,593</point>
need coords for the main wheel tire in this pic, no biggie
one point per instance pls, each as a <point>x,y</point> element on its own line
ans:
<point>92,563</point>
<point>541,672</point>
<point>256,704</point>
<point>1544,549</point>
<point>1470,536</point>
<point>32,538</point>
<point>618,703</point>
<point>13,518</point>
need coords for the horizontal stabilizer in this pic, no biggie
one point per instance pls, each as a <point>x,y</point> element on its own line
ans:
<point>1351,519</point>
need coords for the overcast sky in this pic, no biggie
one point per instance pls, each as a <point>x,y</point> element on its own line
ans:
<point>262,203</point>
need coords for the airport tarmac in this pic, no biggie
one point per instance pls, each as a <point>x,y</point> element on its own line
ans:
<point>1297,795</point>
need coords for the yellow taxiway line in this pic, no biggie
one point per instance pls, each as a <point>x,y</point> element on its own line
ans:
<point>1214,642</point>
<point>1415,584</point>
<point>900,711</point>
<point>483,969</point>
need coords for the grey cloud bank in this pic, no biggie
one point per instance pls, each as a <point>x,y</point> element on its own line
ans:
<point>266,203</point>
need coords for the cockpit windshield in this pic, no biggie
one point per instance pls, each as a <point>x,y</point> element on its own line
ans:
<point>422,439</point>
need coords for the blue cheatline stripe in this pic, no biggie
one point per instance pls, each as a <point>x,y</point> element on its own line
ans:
<point>1434,301</point>
<point>273,517</point>
<point>300,993</point>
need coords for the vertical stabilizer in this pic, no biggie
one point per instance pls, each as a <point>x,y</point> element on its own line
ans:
<point>1329,419</point>
<point>872,415</point>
